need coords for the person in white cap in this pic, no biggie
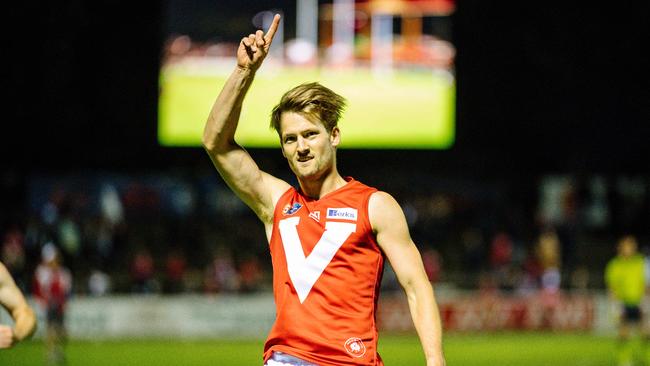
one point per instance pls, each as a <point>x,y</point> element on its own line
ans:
<point>52,288</point>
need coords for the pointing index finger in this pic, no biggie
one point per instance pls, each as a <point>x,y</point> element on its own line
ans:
<point>272,29</point>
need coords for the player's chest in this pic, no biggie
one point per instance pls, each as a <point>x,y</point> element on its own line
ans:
<point>311,223</point>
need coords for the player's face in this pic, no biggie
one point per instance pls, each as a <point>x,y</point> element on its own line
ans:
<point>308,147</point>
<point>628,246</point>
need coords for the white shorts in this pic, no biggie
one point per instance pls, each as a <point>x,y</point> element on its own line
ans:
<point>283,359</point>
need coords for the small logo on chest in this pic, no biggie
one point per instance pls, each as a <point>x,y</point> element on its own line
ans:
<point>290,210</point>
<point>315,215</point>
<point>346,213</point>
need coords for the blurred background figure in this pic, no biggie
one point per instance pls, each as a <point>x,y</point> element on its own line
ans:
<point>501,252</point>
<point>626,284</point>
<point>52,289</point>
<point>548,253</point>
<point>221,274</point>
<point>175,267</point>
<point>250,274</point>
<point>99,283</point>
<point>13,300</point>
<point>12,255</point>
<point>142,272</point>
<point>432,264</point>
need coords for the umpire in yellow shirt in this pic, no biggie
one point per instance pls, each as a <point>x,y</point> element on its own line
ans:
<point>625,277</point>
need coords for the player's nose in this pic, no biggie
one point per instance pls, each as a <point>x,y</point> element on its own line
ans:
<point>302,145</point>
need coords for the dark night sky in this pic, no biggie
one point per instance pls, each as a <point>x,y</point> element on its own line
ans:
<point>542,87</point>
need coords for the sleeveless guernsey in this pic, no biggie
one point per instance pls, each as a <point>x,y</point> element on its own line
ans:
<point>327,269</point>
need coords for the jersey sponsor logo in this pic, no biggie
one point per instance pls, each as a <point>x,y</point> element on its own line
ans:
<point>304,271</point>
<point>355,347</point>
<point>315,215</point>
<point>346,213</point>
<point>290,210</point>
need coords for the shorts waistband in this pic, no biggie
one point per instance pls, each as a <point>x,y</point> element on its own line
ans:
<point>283,359</point>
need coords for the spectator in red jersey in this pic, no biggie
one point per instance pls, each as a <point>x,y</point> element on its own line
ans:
<point>432,264</point>
<point>175,267</point>
<point>250,274</point>
<point>52,288</point>
<point>142,272</point>
<point>501,253</point>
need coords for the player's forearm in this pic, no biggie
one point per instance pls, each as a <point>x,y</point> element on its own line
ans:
<point>25,323</point>
<point>426,319</point>
<point>219,131</point>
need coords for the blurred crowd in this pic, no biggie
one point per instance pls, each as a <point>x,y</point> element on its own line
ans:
<point>177,233</point>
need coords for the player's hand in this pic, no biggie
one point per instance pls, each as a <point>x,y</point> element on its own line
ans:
<point>7,338</point>
<point>254,48</point>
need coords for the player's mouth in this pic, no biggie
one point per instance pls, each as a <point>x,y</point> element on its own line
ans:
<point>303,159</point>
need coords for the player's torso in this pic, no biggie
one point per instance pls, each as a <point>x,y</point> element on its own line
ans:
<point>326,273</point>
<point>629,278</point>
<point>53,285</point>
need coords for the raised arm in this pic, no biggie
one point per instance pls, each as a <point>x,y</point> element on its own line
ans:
<point>14,302</point>
<point>256,188</point>
<point>391,230</point>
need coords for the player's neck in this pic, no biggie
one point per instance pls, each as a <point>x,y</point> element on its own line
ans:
<point>317,188</point>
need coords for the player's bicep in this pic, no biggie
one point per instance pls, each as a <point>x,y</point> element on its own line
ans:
<point>393,237</point>
<point>259,190</point>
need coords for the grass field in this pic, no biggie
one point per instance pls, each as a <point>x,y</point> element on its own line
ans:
<point>494,349</point>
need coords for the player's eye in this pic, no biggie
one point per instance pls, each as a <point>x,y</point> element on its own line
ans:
<point>289,139</point>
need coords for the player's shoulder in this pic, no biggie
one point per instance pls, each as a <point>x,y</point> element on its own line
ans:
<point>383,209</point>
<point>639,259</point>
<point>614,262</point>
<point>382,200</point>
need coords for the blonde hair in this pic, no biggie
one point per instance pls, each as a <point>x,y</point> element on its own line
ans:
<point>312,100</point>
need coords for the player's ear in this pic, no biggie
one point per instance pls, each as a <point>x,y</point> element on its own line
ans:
<point>335,136</point>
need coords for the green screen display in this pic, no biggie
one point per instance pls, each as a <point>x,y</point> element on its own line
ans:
<point>408,108</point>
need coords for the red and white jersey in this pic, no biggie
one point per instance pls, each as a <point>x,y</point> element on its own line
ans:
<point>52,286</point>
<point>327,269</point>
